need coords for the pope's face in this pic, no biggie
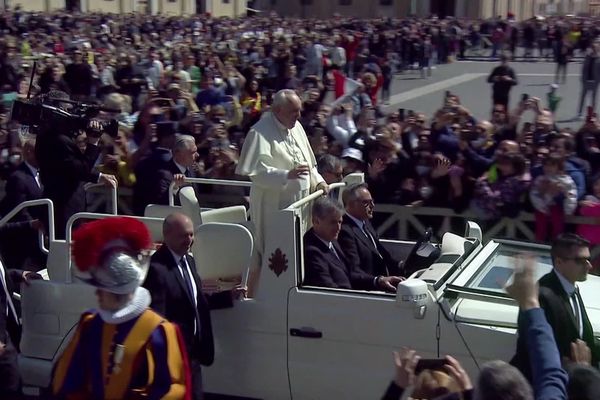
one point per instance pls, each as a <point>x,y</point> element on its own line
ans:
<point>289,112</point>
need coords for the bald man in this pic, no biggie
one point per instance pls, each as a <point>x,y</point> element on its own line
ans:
<point>280,162</point>
<point>176,292</point>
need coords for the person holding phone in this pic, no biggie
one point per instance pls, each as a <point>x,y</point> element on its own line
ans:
<point>442,378</point>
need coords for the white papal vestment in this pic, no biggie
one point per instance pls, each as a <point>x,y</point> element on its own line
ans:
<point>269,152</point>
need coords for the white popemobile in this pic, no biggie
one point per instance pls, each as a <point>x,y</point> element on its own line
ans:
<point>293,341</point>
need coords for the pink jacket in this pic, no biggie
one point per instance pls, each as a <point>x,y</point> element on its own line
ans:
<point>590,232</point>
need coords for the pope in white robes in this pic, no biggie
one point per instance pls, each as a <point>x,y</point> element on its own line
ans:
<point>277,157</point>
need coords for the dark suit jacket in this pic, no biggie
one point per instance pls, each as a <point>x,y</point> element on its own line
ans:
<point>10,332</point>
<point>557,307</point>
<point>9,328</point>
<point>18,241</point>
<point>361,252</point>
<point>147,189</point>
<point>170,297</point>
<point>154,175</point>
<point>323,268</point>
<point>595,68</point>
<point>20,186</point>
<point>63,170</point>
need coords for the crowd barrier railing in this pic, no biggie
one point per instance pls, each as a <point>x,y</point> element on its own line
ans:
<point>393,221</point>
<point>406,219</point>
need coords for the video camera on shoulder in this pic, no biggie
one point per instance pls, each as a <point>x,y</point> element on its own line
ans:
<point>46,114</point>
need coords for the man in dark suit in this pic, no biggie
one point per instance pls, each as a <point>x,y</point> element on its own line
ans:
<point>64,168</point>
<point>10,380</point>
<point>185,153</point>
<point>20,248</point>
<point>170,161</point>
<point>358,238</point>
<point>146,190</point>
<point>590,77</point>
<point>176,292</point>
<point>325,263</point>
<point>562,303</point>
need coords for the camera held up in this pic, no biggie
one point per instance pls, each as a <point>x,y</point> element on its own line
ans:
<point>46,114</point>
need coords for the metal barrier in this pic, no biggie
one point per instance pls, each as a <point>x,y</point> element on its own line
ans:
<point>405,218</point>
<point>90,216</point>
<point>35,203</point>
<point>100,188</point>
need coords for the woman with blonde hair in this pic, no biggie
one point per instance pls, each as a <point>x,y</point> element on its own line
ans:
<point>445,379</point>
<point>431,384</point>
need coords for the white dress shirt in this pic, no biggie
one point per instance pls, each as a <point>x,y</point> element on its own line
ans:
<point>35,172</point>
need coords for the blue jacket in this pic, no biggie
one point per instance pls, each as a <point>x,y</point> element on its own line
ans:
<point>549,378</point>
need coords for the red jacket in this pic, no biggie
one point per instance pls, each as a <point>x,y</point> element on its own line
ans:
<point>351,47</point>
<point>339,82</point>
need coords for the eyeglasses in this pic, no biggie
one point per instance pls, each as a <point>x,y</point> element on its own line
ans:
<point>579,260</point>
<point>367,202</point>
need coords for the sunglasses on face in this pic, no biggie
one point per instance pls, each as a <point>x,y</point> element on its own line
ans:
<point>579,260</point>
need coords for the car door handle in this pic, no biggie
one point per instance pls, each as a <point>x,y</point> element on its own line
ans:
<point>310,333</point>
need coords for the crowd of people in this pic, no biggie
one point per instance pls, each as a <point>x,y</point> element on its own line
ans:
<point>192,96</point>
<point>212,79</point>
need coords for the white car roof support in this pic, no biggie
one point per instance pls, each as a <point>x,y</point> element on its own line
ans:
<point>65,275</point>
<point>206,181</point>
<point>33,203</point>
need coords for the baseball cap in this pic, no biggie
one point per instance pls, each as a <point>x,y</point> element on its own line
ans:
<point>353,153</point>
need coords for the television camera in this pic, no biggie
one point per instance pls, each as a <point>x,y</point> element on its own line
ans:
<point>44,113</point>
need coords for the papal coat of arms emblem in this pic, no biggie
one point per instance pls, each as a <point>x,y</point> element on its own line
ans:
<point>278,262</point>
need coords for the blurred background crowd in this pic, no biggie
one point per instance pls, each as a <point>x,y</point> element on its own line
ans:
<point>212,78</point>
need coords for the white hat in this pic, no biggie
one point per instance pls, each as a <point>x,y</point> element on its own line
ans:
<point>353,153</point>
<point>554,86</point>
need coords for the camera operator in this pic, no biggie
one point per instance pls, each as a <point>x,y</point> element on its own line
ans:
<point>64,168</point>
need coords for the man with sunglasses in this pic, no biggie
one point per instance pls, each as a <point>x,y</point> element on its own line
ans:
<point>559,297</point>
<point>359,241</point>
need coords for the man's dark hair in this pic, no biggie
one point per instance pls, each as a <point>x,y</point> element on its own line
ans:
<point>351,192</point>
<point>568,141</point>
<point>325,206</point>
<point>584,383</point>
<point>555,159</point>
<point>499,380</point>
<point>565,243</point>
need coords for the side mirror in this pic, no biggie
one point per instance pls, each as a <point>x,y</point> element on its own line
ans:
<point>413,294</point>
